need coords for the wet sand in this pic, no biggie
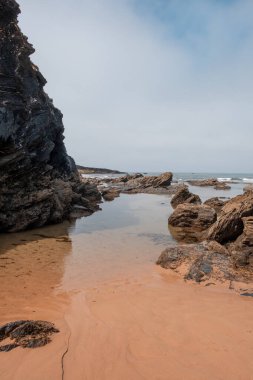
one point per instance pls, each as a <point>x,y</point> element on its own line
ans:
<point>119,315</point>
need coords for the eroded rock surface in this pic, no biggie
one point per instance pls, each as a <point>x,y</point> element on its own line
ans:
<point>229,225</point>
<point>198,217</point>
<point>26,334</point>
<point>183,195</point>
<point>39,183</point>
<point>216,203</point>
<point>205,262</point>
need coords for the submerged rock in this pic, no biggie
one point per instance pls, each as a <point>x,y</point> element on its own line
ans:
<point>183,195</point>
<point>26,334</point>
<point>39,183</point>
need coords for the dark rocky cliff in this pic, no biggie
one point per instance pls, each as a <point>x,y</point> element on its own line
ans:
<point>39,183</point>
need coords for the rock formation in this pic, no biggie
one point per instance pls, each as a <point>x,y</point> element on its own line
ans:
<point>183,195</point>
<point>197,217</point>
<point>205,262</point>
<point>39,183</point>
<point>210,182</point>
<point>229,225</point>
<point>136,183</point>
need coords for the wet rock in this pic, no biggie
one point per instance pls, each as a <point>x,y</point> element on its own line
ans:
<point>229,225</point>
<point>26,334</point>
<point>197,217</point>
<point>183,195</point>
<point>39,182</point>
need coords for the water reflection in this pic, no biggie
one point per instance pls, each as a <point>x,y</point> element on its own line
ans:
<point>32,266</point>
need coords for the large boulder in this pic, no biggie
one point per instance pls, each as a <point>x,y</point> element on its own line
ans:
<point>39,183</point>
<point>197,217</point>
<point>183,195</point>
<point>230,221</point>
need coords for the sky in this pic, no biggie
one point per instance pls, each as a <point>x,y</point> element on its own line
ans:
<point>149,85</point>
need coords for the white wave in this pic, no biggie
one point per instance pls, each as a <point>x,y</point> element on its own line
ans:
<point>248,180</point>
<point>224,179</point>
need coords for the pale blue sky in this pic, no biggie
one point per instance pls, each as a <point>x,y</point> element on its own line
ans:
<point>149,84</point>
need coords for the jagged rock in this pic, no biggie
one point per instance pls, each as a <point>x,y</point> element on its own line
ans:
<point>183,195</point>
<point>26,334</point>
<point>197,217</point>
<point>216,203</point>
<point>39,183</point>
<point>230,221</point>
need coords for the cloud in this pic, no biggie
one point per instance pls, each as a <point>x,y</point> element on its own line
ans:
<point>149,85</point>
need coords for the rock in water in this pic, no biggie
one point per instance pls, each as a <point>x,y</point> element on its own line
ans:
<point>183,195</point>
<point>39,183</point>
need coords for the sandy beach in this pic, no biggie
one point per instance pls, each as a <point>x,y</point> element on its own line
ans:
<point>120,316</point>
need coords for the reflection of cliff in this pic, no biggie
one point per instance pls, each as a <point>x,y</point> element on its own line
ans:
<point>39,183</point>
<point>32,266</point>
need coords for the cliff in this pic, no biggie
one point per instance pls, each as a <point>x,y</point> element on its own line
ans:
<point>39,182</point>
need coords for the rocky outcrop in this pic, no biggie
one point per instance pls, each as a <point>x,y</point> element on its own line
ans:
<point>229,225</point>
<point>88,170</point>
<point>210,182</point>
<point>136,183</point>
<point>183,195</point>
<point>216,203</point>
<point>222,186</point>
<point>39,183</point>
<point>197,262</point>
<point>204,262</point>
<point>197,217</point>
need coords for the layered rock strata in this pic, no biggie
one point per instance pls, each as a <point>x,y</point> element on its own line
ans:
<point>39,183</point>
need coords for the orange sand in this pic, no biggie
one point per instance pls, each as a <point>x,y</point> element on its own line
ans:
<point>132,323</point>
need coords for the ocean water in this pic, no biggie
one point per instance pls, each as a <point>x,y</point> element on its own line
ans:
<point>244,178</point>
